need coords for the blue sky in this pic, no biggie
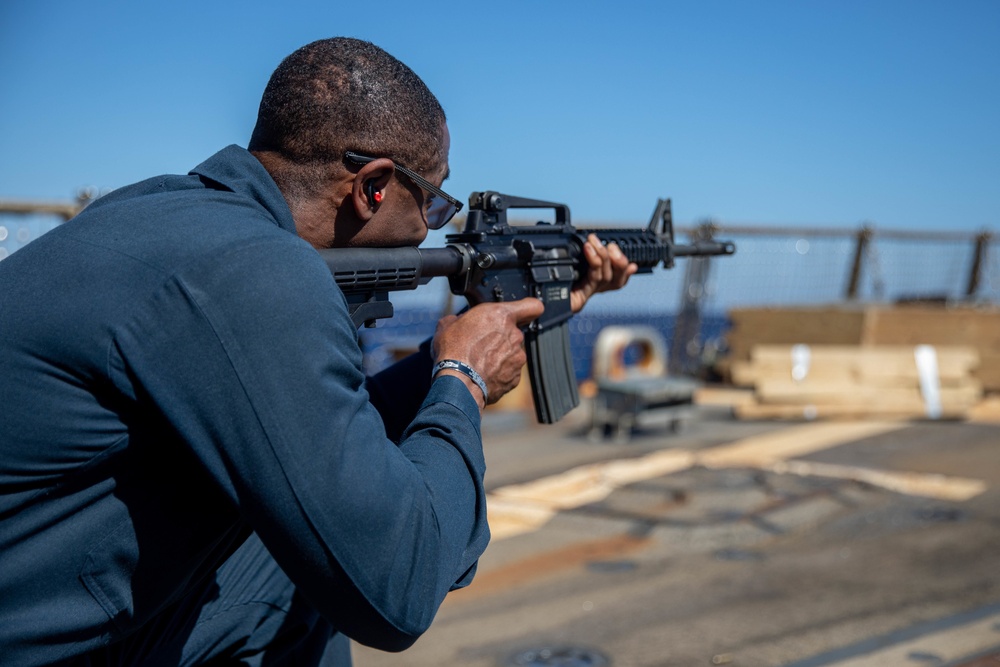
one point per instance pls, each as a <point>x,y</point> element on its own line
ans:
<point>769,112</point>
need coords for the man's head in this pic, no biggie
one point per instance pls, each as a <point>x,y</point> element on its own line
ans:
<point>342,95</point>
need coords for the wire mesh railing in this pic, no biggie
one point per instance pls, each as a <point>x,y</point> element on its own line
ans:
<point>788,266</point>
<point>773,267</point>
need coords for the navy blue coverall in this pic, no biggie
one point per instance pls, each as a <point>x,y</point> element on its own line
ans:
<point>178,372</point>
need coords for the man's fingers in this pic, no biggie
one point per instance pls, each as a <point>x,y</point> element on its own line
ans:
<point>602,257</point>
<point>622,268</point>
<point>525,310</point>
<point>488,338</point>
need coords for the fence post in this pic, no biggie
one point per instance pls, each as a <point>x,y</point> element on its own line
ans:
<point>863,239</point>
<point>978,256</point>
<point>685,348</point>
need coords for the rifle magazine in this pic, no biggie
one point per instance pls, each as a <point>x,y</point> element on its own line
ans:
<point>550,369</point>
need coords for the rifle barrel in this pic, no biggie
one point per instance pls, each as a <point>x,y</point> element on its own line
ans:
<point>703,248</point>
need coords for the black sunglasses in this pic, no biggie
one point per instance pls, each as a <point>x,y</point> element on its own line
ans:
<point>439,206</point>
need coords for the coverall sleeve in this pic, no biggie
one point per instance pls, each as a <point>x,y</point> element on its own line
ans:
<point>253,361</point>
<point>398,391</point>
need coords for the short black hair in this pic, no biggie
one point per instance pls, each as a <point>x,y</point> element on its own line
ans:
<point>341,94</point>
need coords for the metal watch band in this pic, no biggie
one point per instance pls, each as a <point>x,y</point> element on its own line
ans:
<point>464,369</point>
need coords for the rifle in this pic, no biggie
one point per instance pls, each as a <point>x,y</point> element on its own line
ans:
<point>491,260</point>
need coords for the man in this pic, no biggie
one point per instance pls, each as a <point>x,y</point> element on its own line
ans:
<point>193,466</point>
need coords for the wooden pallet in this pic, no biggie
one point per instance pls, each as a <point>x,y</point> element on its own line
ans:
<point>843,381</point>
<point>872,326</point>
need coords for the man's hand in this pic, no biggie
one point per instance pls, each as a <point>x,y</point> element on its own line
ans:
<point>609,270</point>
<point>488,337</point>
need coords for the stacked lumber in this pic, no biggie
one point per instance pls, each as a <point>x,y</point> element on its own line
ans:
<point>851,381</point>
<point>978,328</point>
<point>833,325</point>
<point>873,325</point>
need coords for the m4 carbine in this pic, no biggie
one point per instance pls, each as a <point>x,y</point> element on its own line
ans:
<point>492,260</point>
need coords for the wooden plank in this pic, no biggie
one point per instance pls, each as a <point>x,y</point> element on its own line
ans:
<point>918,325</point>
<point>913,325</point>
<point>963,358</point>
<point>749,376</point>
<point>869,325</point>
<point>880,365</point>
<point>833,325</point>
<point>987,410</point>
<point>836,412</point>
<point>977,327</point>
<point>988,371</point>
<point>799,393</point>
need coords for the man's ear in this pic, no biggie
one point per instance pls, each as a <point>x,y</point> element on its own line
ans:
<point>369,186</point>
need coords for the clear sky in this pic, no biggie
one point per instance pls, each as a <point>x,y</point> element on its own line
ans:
<point>822,113</point>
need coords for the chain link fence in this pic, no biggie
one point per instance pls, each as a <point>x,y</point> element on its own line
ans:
<point>788,266</point>
<point>802,266</point>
